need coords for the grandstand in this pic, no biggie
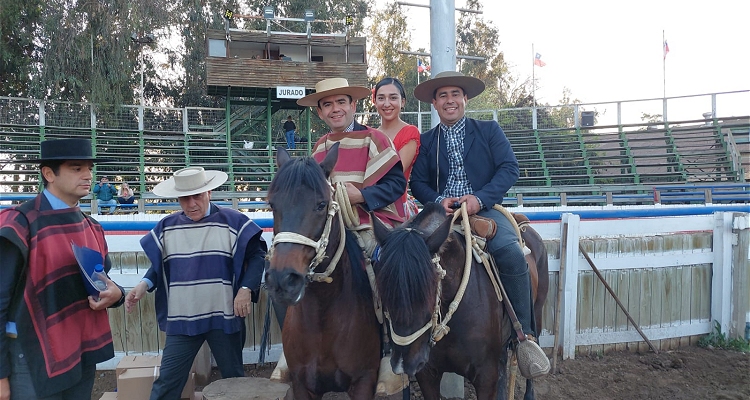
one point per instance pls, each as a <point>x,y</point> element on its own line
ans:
<point>151,142</point>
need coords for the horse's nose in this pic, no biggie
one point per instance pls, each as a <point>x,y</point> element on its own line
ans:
<point>286,286</point>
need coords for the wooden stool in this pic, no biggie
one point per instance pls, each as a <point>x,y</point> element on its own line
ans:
<point>244,389</point>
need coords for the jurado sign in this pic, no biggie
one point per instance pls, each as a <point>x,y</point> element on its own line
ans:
<point>290,92</point>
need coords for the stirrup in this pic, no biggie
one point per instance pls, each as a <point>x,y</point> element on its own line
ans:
<point>280,374</point>
<point>388,382</point>
<point>532,361</point>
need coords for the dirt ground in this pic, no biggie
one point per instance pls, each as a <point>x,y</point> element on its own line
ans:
<point>688,373</point>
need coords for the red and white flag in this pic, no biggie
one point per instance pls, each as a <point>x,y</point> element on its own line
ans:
<point>538,60</point>
<point>421,67</point>
<point>666,49</point>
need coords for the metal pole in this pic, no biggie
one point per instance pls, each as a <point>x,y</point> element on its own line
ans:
<point>419,103</point>
<point>141,75</point>
<point>619,303</point>
<point>442,40</point>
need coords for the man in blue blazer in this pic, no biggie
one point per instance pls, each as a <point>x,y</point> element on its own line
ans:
<point>463,160</point>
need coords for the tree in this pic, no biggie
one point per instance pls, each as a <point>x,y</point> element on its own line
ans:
<point>18,22</point>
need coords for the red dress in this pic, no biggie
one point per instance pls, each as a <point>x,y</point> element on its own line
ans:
<point>404,136</point>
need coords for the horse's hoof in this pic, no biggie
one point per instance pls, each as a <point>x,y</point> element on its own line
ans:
<point>532,362</point>
<point>388,382</point>
<point>280,374</point>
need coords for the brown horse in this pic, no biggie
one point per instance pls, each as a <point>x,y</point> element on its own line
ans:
<point>476,344</point>
<point>330,334</point>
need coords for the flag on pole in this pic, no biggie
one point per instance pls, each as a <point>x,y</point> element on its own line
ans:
<point>421,67</point>
<point>666,49</point>
<point>538,60</point>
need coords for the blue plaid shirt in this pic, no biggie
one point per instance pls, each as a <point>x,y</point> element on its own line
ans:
<point>458,183</point>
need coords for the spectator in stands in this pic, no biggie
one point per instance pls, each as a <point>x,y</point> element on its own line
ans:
<point>390,99</point>
<point>463,160</point>
<point>125,195</point>
<point>206,267</point>
<point>105,193</point>
<point>290,130</point>
<point>44,353</point>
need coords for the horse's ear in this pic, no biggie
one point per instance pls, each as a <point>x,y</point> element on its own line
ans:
<point>379,228</point>
<point>437,238</point>
<point>282,156</point>
<point>330,161</point>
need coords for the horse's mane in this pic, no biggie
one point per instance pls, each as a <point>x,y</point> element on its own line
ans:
<point>407,280</point>
<point>297,173</point>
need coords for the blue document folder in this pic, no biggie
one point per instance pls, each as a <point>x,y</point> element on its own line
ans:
<point>87,259</point>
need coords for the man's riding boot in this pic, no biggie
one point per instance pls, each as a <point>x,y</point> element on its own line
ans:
<point>532,361</point>
<point>281,372</point>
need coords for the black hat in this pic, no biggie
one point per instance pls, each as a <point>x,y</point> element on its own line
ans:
<point>65,149</point>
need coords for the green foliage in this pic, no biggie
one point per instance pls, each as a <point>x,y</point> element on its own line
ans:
<point>717,339</point>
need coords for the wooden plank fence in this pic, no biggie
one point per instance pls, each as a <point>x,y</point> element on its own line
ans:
<point>676,275</point>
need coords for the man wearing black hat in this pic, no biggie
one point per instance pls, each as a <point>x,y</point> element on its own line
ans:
<point>52,334</point>
<point>463,160</point>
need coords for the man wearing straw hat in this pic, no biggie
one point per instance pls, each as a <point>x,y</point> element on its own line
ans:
<point>52,334</point>
<point>206,267</point>
<point>463,160</point>
<point>368,176</point>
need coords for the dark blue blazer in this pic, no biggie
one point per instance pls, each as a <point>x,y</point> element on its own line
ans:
<point>489,162</point>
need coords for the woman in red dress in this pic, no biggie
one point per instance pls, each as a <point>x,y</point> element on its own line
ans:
<point>390,99</point>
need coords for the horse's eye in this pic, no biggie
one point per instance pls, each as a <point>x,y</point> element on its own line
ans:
<point>322,206</point>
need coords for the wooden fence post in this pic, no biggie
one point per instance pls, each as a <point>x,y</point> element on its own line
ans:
<point>721,281</point>
<point>570,281</point>
<point>740,274</point>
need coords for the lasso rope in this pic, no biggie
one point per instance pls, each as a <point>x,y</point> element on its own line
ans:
<point>351,220</point>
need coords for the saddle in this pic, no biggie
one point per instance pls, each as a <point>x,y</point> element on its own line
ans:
<point>486,228</point>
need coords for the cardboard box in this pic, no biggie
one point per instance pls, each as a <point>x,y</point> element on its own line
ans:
<point>136,383</point>
<point>202,365</point>
<point>129,362</point>
<point>189,389</point>
<point>113,396</point>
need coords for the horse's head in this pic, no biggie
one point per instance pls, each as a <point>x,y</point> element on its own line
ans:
<point>300,198</point>
<point>407,281</point>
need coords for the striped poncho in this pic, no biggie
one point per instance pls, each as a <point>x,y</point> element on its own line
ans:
<point>196,267</point>
<point>365,156</point>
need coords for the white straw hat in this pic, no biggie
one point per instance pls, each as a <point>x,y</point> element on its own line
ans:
<point>190,181</point>
<point>333,86</point>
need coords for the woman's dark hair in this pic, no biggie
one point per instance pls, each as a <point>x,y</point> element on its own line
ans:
<point>390,81</point>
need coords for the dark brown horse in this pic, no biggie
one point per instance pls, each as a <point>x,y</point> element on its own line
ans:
<point>476,345</point>
<point>330,333</point>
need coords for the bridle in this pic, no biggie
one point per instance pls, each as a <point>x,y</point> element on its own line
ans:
<point>320,245</point>
<point>439,324</point>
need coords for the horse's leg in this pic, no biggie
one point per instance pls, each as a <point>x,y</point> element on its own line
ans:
<point>429,383</point>
<point>529,390</point>
<point>486,383</point>
<point>299,391</point>
<point>364,387</point>
<point>502,376</point>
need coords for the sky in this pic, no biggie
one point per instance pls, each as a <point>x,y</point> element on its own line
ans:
<point>613,50</point>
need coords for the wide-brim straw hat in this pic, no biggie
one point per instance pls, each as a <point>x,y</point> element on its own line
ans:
<point>332,87</point>
<point>65,149</point>
<point>190,181</point>
<point>472,87</point>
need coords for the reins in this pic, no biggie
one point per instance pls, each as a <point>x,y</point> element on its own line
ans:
<point>438,323</point>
